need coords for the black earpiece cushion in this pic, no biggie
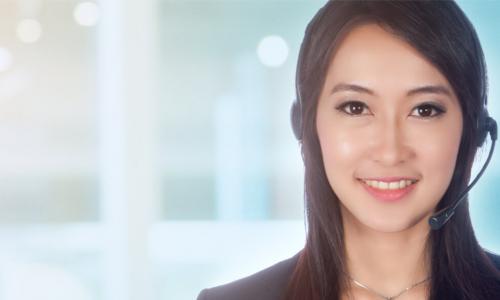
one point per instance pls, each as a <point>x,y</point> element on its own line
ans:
<point>296,119</point>
<point>482,127</point>
<point>486,125</point>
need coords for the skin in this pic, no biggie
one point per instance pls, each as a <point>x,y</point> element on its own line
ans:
<point>393,135</point>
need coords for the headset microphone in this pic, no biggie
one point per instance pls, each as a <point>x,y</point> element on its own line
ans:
<point>487,125</point>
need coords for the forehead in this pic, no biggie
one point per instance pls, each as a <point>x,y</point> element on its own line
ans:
<point>372,57</point>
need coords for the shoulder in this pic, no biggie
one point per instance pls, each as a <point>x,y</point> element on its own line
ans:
<point>495,287</point>
<point>494,258</point>
<point>269,283</point>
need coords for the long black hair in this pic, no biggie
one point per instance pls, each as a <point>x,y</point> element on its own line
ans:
<point>442,33</point>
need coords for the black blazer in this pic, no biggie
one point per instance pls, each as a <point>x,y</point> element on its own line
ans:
<point>268,284</point>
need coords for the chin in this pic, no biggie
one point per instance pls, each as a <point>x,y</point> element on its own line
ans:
<point>388,225</point>
<point>390,228</point>
<point>382,222</point>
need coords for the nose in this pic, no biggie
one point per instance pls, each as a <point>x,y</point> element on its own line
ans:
<point>391,146</point>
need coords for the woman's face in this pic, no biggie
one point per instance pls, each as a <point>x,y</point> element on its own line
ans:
<point>375,120</point>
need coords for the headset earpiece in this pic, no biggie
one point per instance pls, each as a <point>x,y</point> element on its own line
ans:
<point>296,119</point>
<point>485,125</point>
<point>481,130</point>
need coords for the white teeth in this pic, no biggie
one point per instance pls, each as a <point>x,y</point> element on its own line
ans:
<point>394,185</point>
<point>389,185</point>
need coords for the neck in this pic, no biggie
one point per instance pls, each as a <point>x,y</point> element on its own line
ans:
<point>387,262</point>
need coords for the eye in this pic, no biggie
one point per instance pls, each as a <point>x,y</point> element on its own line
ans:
<point>426,110</point>
<point>353,107</point>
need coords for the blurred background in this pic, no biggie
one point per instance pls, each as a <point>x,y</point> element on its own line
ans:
<point>146,149</point>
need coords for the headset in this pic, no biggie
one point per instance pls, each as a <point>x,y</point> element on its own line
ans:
<point>484,125</point>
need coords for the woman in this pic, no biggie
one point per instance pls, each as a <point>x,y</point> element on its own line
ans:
<point>389,97</point>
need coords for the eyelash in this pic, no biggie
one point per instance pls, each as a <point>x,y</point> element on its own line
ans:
<point>439,110</point>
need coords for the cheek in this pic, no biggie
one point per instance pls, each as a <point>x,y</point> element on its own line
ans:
<point>340,153</point>
<point>438,151</point>
<point>438,161</point>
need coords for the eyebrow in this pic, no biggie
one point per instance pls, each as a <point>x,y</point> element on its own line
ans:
<point>427,89</point>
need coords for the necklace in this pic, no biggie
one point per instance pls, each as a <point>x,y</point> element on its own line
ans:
<point>385,297</point>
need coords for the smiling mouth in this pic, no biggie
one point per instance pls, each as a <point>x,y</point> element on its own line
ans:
<point>389,185</point>
<point>387,192</point>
